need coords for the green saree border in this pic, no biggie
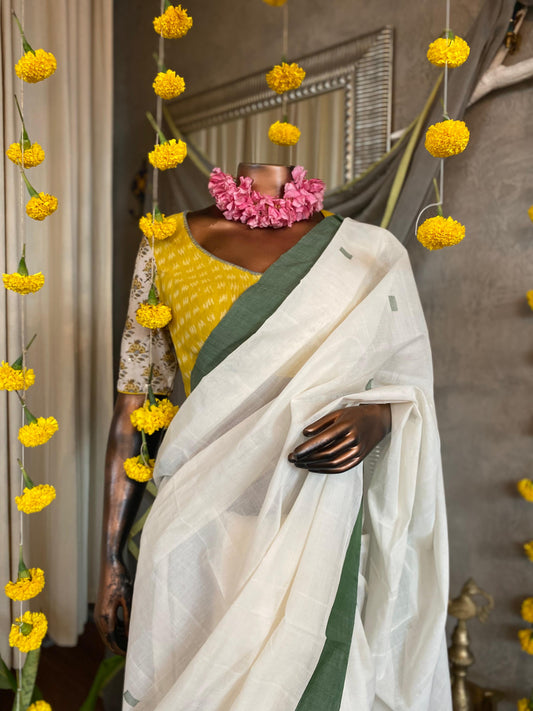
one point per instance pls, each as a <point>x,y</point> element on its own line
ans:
<point>325,688</point>
<point>259,301</point>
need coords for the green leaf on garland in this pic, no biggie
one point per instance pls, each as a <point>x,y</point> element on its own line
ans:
<point>29,675</point>
<point>106,671</point>
<point>7,679</point>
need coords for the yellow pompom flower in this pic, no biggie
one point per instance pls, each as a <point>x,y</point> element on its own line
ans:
<point>528,550</point>
<point>526,640</point>
<point>15,378</point>
<point>527,609</point>
<point>447,138</point>
<point>284,134</point>
<point>23,283</point>
<point>153,315</point>
<point>35,66</point>
<point>137,470</point>
<point>173,23</point>
<point>529,296</point>
<point>40,207</point>
<point>152,417</point>
<point>32,156</point>
<point>438,232</point>
<point>523,705</point>
<point>168,85</point>
<point>38,432</point>
<point>28,631</point>
<point>158,228</point>
<point>35,499</point>
<point>168,154</point>
<point>284,77</point>
<point>275,3</point>
<point>26,588</point>
<point>39,706</point>
<point>453,51</point>
<point>525,489</point>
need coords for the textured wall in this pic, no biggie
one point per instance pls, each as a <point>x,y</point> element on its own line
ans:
<point>473,294</point>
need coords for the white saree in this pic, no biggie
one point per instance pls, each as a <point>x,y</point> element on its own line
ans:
<point>242,554</point>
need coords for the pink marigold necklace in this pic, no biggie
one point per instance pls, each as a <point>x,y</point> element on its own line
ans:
<point>302,197</point>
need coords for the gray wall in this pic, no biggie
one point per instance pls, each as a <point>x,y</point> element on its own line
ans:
<point>473,294</point>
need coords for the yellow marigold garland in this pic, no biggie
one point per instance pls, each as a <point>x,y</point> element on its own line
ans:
<point>528,550</point>
<point>284,134</point>
<point>39,706</point>
<point>38,432</point>
<point>526,609</point>
<point>173,23</point>
<point>168,154</point>
<point>35,499</point>
<point>529,297</point>
<point>28,631</point>
<point>137,470</point>
<point>158,229</point>
<point>35,66</point>
<point>32,156</point>
<point>168,85</point>
<point>438,232</point>
<point>23,283</point>
<point>525,489</point>
<point>15,378</point>
<point>149,418</point>
<point>284,77</point>
<point>26,588</point>
<point>526,640</point>
<point>447,138</point>
<point>42,206</point>
<point>453,51</point>
<point>153,315</point>
<point>523,705</point>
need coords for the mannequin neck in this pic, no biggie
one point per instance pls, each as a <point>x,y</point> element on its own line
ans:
<point>267,179</point>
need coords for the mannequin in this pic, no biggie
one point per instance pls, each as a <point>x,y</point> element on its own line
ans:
<point>335,443</point>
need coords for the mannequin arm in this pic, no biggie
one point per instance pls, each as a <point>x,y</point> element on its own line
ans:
<point>342,439</point>
<point>121,503</point>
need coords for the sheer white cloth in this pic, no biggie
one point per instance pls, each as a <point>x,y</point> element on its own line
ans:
<point>242,553</point>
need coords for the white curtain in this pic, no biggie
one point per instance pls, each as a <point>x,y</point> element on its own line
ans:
<point>70,115</point>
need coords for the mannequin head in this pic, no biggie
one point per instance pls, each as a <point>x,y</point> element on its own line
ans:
<point>267,179</point>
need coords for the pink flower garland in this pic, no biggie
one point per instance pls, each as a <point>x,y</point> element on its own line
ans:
<point>302,197</point>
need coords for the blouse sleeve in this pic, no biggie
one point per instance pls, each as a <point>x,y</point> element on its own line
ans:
<point>134,367</point>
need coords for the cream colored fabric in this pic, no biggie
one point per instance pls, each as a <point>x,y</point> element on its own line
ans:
<point>242,552</point>
<point>70,115</point>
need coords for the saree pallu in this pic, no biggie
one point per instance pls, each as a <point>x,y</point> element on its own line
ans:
<point>262,587</point>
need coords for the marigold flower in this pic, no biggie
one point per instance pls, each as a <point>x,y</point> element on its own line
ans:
<point>526,640</point>
<point>137,470</point>
<point>284,77</point>
<point>525,489</point>
<point>158,229</point>
<point>36,66</point>
<point>32,156</point>
<point>447,138</point>
<point>26,588</point>
<point>438,232</point>
<point>284,134</point>
<point>15,378</point>
<point>23,283</point>
<point>35,499</point>
<point>40,207</point>
<point>38,432</point>
<point>149,418</point>
<point>153,315</point>
<point>28,631</point>
<point>528,550</point>
<point>275,3</point>
<point>168,154</point>
<point>173,23</point>
<point>530,213</point>
<point>39,706</point>
<point>453,51</point>
<point>529,296</point>
<point>523,705</point>
<point>526,609</point>
<point>168,85</point>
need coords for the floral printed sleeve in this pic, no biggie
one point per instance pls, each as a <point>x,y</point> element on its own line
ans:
<point>134,365</point>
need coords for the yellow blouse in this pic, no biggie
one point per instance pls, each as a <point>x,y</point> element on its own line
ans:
<point>199,288</point>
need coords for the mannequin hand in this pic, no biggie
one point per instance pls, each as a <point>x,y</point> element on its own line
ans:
<point>341,439</point>
<point>115,591</point>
